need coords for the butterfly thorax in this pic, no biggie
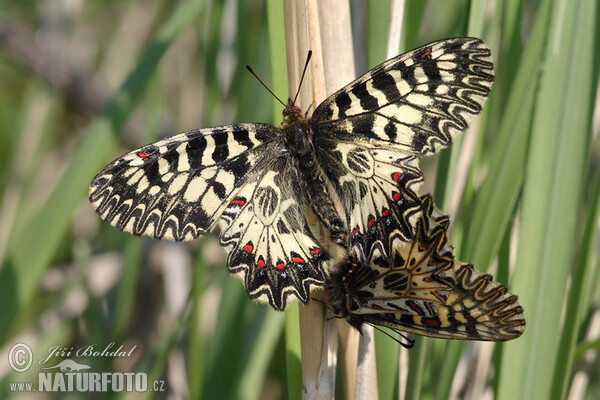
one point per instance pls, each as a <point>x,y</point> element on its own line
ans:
<point>298,136</point>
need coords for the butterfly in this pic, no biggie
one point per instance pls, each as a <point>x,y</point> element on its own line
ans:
<point>418,287</point>
<point>352,161</point>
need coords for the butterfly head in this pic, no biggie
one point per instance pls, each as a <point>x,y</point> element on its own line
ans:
<point>291,111</point>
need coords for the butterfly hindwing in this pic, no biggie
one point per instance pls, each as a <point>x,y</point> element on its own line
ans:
<point>271,248</point>
<point>420,288</point>
<point>376,185</point>
<point>417,101</point>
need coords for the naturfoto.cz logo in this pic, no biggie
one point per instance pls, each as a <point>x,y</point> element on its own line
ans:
<point>68,375</point>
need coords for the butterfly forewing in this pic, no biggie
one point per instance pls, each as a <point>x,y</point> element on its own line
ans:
<point>178,187</point>
<point>417,101</point>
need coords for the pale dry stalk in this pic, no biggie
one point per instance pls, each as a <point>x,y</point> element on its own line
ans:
<point>310,24</point>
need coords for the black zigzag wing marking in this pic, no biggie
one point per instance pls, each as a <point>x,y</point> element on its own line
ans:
<point>178,187</point>
<point>271,248</point>
<point>420,288</point>
<point>377,187</point>
<point>417,101</point>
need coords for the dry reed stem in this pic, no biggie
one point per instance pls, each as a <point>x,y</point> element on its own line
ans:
<point>338,63</point>
<point>358,351</point>
<point>309,25</point>
<point>395,29</point>
<point>318,360</point>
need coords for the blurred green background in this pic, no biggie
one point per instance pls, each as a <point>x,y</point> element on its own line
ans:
<point>81,82</point>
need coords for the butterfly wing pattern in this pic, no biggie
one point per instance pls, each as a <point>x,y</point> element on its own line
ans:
<point>354,162</point>
<point>178,189</point>
<point>368,134</point>
<point>415,102</point>
<point>420,288</point>
<point>270,246</point>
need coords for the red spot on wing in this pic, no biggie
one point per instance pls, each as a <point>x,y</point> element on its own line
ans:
<point>426,55</point>
<point>373,285</point>
<point>470,318</point>
<point>144,156</point>
<point>315,251</point>
<point>385,212</point>
<point>280,265</point>
<point>421,247</point>
<point>248,248</point>
<point>239,202</point>
<point>371,221</point>
<point>355,231</point>
<point>396,176</point>
<point>396,196</point>
<point>260,263</point>
<point>377,307</point>
<point>297,260</point>
<point>428,279</point>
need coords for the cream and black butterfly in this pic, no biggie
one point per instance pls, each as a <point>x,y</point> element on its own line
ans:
<point>352,161</point>
<point>418,287</point>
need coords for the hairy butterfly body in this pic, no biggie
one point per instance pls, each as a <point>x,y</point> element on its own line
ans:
<point>420,288</point>
<point>353,161</point>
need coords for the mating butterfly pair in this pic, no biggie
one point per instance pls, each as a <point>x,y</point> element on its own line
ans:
<point>354,161</point>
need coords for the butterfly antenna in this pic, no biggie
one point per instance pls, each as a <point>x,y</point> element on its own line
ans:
<point>265,86</point>
<point>407,345</point>
<point>303,73</point>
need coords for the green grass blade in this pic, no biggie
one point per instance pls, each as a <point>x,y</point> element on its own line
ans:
<point>417,362</point>
<point>386,356</point>
<point>126,289</point>
<point>293,357</point>
<point>494,203</point>
<point>377,31</point>
<point>449,362</point>
<point>553,188</point>
<point>227,345</point>
<point>197,346</point>
<point>580,294</point>
<point>254,368</point>
<point>32,252</point>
